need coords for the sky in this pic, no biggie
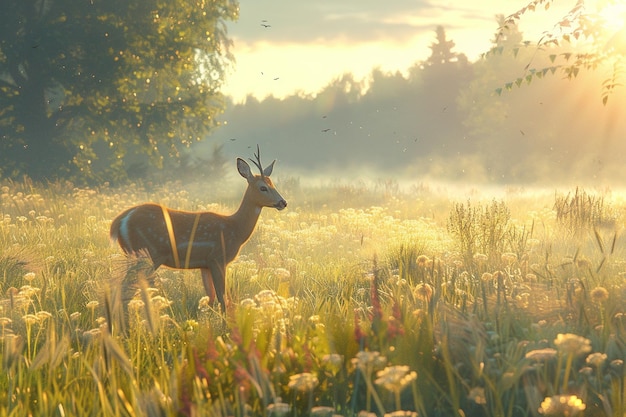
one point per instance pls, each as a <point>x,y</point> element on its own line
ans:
<point>283,47</point>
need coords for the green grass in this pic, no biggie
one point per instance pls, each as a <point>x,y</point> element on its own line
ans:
<point>379,304</point>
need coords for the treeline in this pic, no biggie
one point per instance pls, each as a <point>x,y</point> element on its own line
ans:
<point>445,118</point>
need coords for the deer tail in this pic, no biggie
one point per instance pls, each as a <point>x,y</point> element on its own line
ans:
<point>119,230</point>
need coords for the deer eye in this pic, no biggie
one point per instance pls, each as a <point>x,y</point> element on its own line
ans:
<point>263,188</point>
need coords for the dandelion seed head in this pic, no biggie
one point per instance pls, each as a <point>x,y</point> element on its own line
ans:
<point>599,295</point>
<point>422,260</point>
<point>423,291</point>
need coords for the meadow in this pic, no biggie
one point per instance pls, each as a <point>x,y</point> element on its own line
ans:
<point>357,300</point>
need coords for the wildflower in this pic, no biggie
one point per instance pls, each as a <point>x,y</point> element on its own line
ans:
<point>423,291</point>
<point>395,378</point>
<point>5,321</point>
<point>204,303</point>
<point>278,409</point>
<point>135,305</point>
<point>245,303</point>
<point>572,344</point>
<point>541,355</point>
<point>486,277</point>
<point>397,413</point>
<point>562,405</point>
<point>508,257</point>
<point>29,276</point>
<point>333,361</point>
<point>30,319</point>
<point>596,359</point>
<point>266,296</point>
<point>368,360</point>
<point>617,365</point>
<point>322,411</point>
<point>42,315</point>
<point>480,257</point>
<point>92,305</point>
<point>282,274</point>
<point>422,260</point>
<point>303,382</point>
<point>599,295</point>
<point>75,315</point>
<point>477,394</point>
<point>159,302</point>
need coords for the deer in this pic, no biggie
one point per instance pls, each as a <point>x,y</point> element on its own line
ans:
<point>198,240</point>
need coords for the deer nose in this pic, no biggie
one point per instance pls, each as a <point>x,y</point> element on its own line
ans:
<point>281,205</point>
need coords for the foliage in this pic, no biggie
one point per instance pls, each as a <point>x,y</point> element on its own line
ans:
<point>481,229</point>
<point>580,211</point>
<point>581,40</point>
<point>316,325</point>
<point>85,84</point>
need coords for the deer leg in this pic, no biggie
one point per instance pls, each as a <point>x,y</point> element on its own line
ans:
<point>207,281</point>
<point>217,272</point>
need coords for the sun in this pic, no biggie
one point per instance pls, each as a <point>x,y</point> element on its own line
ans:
<point>612,19</point>
<point>613,15</point>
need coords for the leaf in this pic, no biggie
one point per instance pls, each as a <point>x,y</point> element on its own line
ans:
<point>552,57</point>
<point>499,91</point>
<point>508,86</point>
<point>547,6</point>
<point>519,81</point>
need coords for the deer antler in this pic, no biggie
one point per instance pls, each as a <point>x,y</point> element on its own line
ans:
<point>257,155</point>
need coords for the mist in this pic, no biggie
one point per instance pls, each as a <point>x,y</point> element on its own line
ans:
<point>442,122</point>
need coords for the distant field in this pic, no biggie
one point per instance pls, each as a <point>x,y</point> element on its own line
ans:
<point>358,299</point>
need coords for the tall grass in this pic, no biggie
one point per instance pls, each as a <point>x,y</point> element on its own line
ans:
<point>373,306</point>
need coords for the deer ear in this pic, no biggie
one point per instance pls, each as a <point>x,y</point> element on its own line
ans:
<point>268,169</point>
<point>244,168</point>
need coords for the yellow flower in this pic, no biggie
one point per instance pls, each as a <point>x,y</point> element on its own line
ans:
<point>562,405</point>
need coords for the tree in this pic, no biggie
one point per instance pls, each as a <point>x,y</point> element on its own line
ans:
<point>84,83</point>
<point>441,50</point>
<point>594,39</point>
